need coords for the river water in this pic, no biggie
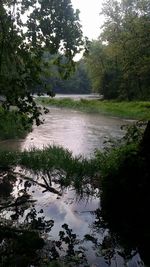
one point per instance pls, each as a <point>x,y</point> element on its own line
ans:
<point>81,133</point>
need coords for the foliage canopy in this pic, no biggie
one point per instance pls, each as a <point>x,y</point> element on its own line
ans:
<point>27,30</point>
<point>122,53</point>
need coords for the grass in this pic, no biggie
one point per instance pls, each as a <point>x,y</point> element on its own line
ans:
<point>72,171</point>
<point>133,110</point>
<point>13,125</point>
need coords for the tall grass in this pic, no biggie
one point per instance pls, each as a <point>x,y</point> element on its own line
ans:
<point>73,171</point>
<point>135,109</point>
<point>55,162</point>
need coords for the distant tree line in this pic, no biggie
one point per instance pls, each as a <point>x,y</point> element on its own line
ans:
<point>77,82</point>
<point>119,62</point>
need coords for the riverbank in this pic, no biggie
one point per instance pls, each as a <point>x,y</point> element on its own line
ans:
<point>52,180</point>
<point>133,110</point>
<point>13,125</point>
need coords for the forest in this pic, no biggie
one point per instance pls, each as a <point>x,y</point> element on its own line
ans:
<point>39,40</point>
<point>117,64</point>
<point>119,61</point>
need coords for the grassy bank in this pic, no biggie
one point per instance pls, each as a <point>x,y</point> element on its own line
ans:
<point>135,110</point>
<point>13,125</point>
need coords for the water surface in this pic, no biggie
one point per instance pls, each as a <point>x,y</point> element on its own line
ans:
<point>79,132</point>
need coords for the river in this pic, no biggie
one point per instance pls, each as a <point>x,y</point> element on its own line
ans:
<point>81,133</point>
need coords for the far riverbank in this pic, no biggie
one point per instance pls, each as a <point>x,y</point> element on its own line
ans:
<point>139,110</point>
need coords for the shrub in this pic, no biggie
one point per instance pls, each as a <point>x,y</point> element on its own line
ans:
<point>125,184</point>
<point>13,124</point>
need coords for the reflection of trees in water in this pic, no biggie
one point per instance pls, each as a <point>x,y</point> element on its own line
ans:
<point>24,230</point>
<point>114,245</point>
<point>7,180</point>
<point>18,242</point>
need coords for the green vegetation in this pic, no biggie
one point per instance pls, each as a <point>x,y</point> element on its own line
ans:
<point>134,109</point>
<point>52,170</point>
<point>125,184</point>
<point>72,171</point>
<point>119,67</point>
<point>119,61</point>
<point>120,173</point>
<point>77,83</point>
<point>13,124</point>
<point>23,43</point>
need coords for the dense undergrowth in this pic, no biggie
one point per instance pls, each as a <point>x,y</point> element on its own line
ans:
<point>13,124</point>
<point>125,173</point>
<point>134,109</point>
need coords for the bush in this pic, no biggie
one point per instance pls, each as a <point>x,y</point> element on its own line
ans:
<point>13,124</point>
<point>125,184</point>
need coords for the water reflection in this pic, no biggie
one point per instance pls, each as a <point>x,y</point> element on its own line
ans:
<point>79,215</point>
<point>82,134</point>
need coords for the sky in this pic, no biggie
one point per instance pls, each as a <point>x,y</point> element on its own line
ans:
<point>89,16</point>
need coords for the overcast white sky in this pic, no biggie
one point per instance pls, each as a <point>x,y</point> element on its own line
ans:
<point>89,16</point>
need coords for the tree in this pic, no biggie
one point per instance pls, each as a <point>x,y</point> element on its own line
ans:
<point>119,62</point>
<point>96,64</point>
<point>126,32</point>
<point>77,83</point>
<point>103,72</point>
<point>27,30</point>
